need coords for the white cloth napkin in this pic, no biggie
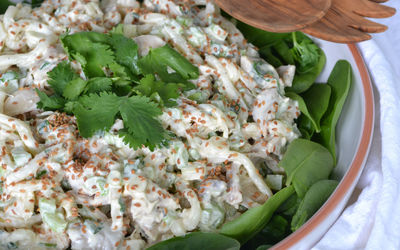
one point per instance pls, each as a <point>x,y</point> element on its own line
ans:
<point>372,217</point>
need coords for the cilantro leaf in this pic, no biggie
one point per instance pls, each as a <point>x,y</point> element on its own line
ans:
<point>129,139</point>
<point>60,76</point>
<point>139,116</point>
<point>159,91</point>
<point>90,49</point>
<point>49,102</point>
<point>100,57</point>
<point>74,88</point>
<point>98,84</point>
<point>126,52</point>
<point>96,112</point>
<point>119,70</point>
<point>69,107</point>
<point>122,87</point>
<point>305,53</point>
<point>169,57</point>
<point>163,60</point>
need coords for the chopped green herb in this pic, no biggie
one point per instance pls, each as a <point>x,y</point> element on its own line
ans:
<point>98,84</point>
<point>157,91</point>
<point>53,102</point>
<point>48,244</point>
<point>40,174</point>
<point>60,76</point>
<point>121,202</point>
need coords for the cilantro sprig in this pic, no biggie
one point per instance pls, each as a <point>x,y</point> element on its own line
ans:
<point>118,84</point>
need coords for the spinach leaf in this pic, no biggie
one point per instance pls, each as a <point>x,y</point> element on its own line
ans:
<point>289,207</point>
<point>4,5</point>
<point>36,3</point>
<point>305,163</point>
<point>284,52</point>
<point>303,108</point>
<point>267,54</point>
<point>313,200</point>
<point>276,230</point>
<point>198,241</point>
<point>317,100</point>
<point>255,219</point>
<point>260,37</point>
<point>264,247</point>
<point>305,127</point>
<point>340,81</point>
<point>302,82</point>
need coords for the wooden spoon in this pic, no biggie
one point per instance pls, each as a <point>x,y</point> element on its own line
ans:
<point>276,15</point>
<point>345,22</point>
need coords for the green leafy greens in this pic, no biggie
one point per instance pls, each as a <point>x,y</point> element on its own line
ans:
<point>117,84</point>
<point>198,241</point>
<point>340,81</point>
<point>313,200</point>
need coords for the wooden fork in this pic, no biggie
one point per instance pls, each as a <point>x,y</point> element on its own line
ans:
<point>276,15</point>
<point>345,23</point>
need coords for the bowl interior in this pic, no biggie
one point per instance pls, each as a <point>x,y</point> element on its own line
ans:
<point>353,138</point>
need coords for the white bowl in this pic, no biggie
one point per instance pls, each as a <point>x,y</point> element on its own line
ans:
<point>353,139</point>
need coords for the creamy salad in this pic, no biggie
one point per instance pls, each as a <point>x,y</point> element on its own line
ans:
<point>59,190</point>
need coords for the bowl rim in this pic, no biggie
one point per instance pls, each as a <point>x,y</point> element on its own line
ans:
<point>356,166</point>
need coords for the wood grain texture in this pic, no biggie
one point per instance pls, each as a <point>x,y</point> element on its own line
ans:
<point>276,15</point>
<point>345,22</point>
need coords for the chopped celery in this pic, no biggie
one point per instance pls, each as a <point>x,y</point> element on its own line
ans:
<point>194,154</point>
<point>179,154</point>
<point>21,157</point>
<point>212,216</point>
<point>98,182</point>
<point>216,32</point>
<point>196,37</point>
<point>185,21</point>
<point>47,206</point>
<point>9,82</point>
<point>274,181</point>
<point>55,220</point>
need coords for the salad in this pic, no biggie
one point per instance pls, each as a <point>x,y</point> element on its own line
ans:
<point>159,124</point>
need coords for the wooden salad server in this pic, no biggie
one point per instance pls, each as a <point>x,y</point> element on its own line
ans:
<point>345,22</point>
<point>341,21</point>
<point>276,15</point>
